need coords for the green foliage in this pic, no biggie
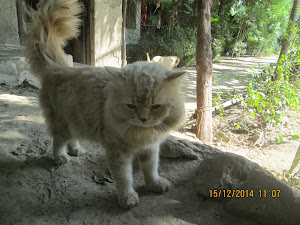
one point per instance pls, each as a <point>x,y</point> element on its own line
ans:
<point>288,67</point>
<point>217,47</point>
<point>279,139</point>
<point>238,27</point>
<point>288,177</point>
<point>296,136</point>
<point>253,27</point>
<point>267,98</point>
<point>296,161</point>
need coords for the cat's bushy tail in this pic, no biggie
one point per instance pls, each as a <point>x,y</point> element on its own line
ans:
<point>50,26</point>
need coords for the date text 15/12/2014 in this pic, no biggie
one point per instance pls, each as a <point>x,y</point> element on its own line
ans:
<point>243,193</point>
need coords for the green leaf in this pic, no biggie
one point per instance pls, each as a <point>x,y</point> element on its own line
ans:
<point>296,136</point>
<point>107,177</point>
<point>279,139</point>
<point>214,19</point>
<point>295,161</point>
<point>98,180</point>
<point>259,108</point>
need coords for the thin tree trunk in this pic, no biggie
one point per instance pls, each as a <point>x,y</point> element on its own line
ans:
<point>172,18</point>
<point>124,7</point>
<point>204,71</point>
<point>286,41</point>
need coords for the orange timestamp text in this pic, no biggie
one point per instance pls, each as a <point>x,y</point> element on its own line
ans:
<point>242,193</point>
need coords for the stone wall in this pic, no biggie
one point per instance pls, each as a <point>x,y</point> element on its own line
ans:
<point>8,23</point>
<point>108,31</point>
<point>133,35</point>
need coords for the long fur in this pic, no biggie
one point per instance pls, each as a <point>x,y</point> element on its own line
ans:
<point>49,28</point>
<point>129,111</point>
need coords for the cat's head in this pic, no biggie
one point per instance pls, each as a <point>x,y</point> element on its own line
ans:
<point>145,95</point>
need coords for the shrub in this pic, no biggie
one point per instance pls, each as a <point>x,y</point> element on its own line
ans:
<point>182,44</point>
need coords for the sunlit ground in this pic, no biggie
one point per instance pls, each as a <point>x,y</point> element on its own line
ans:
<point>228,75</point>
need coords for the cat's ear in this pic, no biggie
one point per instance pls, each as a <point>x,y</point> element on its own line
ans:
<point>173,75</point>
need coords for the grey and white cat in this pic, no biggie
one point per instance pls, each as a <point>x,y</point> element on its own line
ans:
<point>129,111</point>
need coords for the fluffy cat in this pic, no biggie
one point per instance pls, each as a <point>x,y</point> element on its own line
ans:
<point>129,110</point>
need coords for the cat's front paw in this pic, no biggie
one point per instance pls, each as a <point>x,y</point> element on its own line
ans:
<point>75,151</point>
<point>61,159</point>
<point>129,200</point>
<point>161,185</point>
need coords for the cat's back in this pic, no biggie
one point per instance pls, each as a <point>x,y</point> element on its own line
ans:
<point>76,77</point>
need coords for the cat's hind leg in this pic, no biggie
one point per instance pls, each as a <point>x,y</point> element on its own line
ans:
<point>74,148</point>
<point>148,160</point>
<point>57,127</point>
<point>120,164</point>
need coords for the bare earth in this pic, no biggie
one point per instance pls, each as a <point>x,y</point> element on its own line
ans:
<point>233,73</point>
<point>34,191</point>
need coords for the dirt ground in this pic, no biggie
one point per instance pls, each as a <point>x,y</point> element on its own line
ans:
<point>233,73</point>
<point>34,191</point>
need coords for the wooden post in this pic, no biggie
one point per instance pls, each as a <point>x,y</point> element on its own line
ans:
<point>204,71</point>
<point>124,7</point>
<point>92,56</point>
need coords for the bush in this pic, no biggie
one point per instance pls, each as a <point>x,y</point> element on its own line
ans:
<point>268,99</point>
<point>217,48</point>
<point>182,44</point>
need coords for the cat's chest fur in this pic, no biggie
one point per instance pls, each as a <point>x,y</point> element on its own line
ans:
<point>87,105</point>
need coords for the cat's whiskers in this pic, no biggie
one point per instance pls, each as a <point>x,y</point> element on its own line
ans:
<point>164,127</point>
<point>159,128</point>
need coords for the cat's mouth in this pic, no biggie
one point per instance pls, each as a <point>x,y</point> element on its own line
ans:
<point>143,124</point>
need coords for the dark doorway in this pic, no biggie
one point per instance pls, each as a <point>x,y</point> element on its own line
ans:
<point>81,47</point>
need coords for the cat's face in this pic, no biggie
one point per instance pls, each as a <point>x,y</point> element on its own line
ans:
<point>146,95</point>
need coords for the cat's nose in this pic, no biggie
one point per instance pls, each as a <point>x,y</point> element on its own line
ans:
<point>143,120</point>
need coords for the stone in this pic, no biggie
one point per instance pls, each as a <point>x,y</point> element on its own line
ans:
<point>271,201</point>
<point>25,76</point>
<point>7,79</point>
<point>171,148</point>
<point>185,147</point>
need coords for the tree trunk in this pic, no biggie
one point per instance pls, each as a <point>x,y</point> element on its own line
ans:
<point>124,6</point>
<point>172,18</point>
<point>204,71</point>
<point>286,40</point>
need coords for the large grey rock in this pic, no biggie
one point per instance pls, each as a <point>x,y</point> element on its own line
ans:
<point>175,147</point>
<point>25,76</point>
<point>171,148</point>
<point>7,79</point>
<point>16,71</point>
<point>226,171</point>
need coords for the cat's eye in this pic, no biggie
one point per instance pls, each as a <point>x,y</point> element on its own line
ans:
<point>131,106</point>
<point>155,107</point>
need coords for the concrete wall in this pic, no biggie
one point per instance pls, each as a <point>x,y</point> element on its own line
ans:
<point>133,35</point>
<point>108,31</point>
<point>8,23</point>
